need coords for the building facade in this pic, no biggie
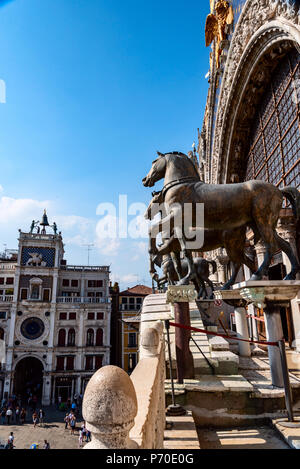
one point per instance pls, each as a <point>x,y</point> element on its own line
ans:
<point>130,305</point>
<point>251,128</point>
<point>54,318</point>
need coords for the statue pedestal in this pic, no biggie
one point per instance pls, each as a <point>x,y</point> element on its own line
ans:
<point>180,296</point>
<point>233,298</point>
<point>271,295</point>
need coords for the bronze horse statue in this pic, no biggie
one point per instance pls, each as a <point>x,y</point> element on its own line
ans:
<point>233,241</point>
<point>170,275</point>
<point>255,204</point>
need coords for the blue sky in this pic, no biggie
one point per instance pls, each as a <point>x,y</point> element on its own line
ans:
<point>93,89</point>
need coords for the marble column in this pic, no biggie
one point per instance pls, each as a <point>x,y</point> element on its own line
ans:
<point>274,334</point>
<point>46,398</point>
<point>260,250</point>
<point>287,230</point>
<point>242,331</point>
<point>251,308</point>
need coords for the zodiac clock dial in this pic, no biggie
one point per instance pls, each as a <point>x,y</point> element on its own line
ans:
<point>32,328</point>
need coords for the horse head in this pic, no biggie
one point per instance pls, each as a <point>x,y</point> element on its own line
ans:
<point>157,171</point>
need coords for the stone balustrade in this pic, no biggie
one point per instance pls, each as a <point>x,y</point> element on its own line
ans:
<point>125,412</point>
<point>81,299</point>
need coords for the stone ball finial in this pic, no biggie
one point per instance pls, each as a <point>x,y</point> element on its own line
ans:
<point>109,408</point>
<point>150,342</point>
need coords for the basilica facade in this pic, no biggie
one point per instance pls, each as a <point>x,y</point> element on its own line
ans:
<point>251,127</point>
<point>54,318</point>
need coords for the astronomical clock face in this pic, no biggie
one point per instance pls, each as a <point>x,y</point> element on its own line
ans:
<point>32,328</point>
<point>38,257</point>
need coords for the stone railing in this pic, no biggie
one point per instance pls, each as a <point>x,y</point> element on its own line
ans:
<point>125,412</point>
<point>81,299</point>
<point>6,299</point>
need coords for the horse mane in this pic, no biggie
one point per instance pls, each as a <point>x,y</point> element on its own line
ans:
<point>180,154</point>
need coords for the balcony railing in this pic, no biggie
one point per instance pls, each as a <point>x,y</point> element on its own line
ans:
<point>6,298</point>
<point>7,266</point>
<point>80,299</point>
<point>127,307</point>
<point>85,268</point>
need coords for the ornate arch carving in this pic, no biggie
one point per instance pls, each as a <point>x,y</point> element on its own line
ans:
<point>265,31</point>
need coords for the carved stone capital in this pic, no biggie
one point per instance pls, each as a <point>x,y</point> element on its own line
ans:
<point>181,294</point>
<point>263,291</point>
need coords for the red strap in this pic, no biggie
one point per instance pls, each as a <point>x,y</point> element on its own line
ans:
<point>181,326</point>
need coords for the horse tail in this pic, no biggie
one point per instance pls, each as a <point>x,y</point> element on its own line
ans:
<point>293,196</point>
<point>214,266</point>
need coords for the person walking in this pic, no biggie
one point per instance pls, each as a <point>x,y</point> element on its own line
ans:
<point>67,420</point>
<point>88,436</point>
<point>73,424</point>
<point>46,444</point>
<point>17,414</point>
<point>23,416</point>
<point>10,441</point>
<point>80,439</point>
<point>35,419</point>
<point>83,429</point>
<point>8,415</point>
<point>41,417</point>
<point>3,414</point>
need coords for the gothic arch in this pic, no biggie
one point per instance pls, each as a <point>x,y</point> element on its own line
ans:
<point>265,32</point>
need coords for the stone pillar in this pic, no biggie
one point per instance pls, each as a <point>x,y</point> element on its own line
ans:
<point>55,285</point>
<point>221,269</point>
<point>46,398</point>
<point>271,295</point>
<point>260,250</point>
<point>274,333</point>
<point>72,388</point>
<point>12,327</point>
<point>180,296</point>
<point>184,357</point>
<point>287,230</point>
<point>78,385</point>
<point>7,385</point>
<point>242,331</point>
<point>53,390</point>
<point>251,308</point>
<point>109,409</point>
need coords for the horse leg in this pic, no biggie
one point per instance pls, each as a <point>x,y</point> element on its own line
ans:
<point>191,272</point>
<point>286,248</point>
<point>175,256</point>
<point>230,282</point>
<point>269,240</point>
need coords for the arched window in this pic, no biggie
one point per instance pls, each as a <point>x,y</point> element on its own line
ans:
<point>275,136</point>
<point>61,338</point>
<point>99,337</point>
<point>90,338</point>
<point>71,337</point>
<point>1,334</point>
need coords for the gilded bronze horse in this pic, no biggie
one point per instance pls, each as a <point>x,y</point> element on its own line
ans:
<point>255,204</point>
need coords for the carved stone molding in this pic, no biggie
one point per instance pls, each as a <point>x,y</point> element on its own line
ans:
<point>181,294</point>
<point>261,24</point>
